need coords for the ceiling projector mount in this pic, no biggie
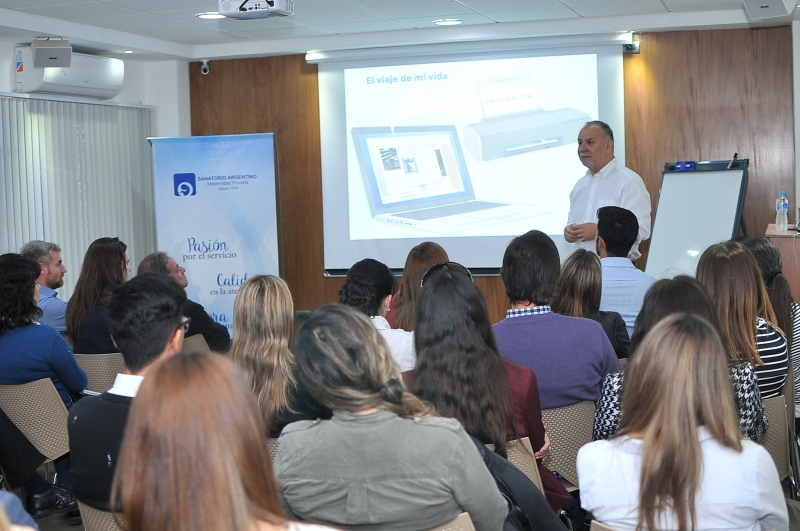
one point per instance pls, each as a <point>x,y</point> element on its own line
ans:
<point>248,9</point>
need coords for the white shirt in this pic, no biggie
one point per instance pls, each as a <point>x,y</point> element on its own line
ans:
<point>738,491</point>
<point>614,185</point>
<point>126,385</point>
<point>401,343</point>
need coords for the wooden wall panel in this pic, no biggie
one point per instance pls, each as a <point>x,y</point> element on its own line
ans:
<point>705,95</point>
<point>695,95</point>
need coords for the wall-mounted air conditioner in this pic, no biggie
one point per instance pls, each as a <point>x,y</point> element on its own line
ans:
<point>87,75</point>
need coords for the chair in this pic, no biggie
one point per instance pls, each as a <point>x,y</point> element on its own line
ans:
<point>595,526</point>
<point>520,453</point>
<point>462,523</point>
<point>273,447</point>
<point>794,451</point>
<point>776,441</point>
<point>195,343</point>
<point>101,370</point>
<point>570,427</point>
<point>37,410</point>
<point>97,520</point>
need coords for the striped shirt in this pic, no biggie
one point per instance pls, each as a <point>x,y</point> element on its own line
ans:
<point>795,354</point>
<point>772,350</point>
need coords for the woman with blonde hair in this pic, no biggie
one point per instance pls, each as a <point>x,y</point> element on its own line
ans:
<point>207,464</point>
<point>402,310</point>
<point>678,461</point>
<point>263,322</point>
<point>578,292</point>
<point>747,321</point>
<point>385,461</point>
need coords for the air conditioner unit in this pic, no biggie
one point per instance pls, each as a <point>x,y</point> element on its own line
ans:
<point>87,75</point>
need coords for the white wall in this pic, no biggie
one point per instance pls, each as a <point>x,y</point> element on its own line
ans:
<point>167,88</point>
<point>7,66</point>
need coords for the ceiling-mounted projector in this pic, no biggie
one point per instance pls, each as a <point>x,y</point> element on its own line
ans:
<point>245,9</point>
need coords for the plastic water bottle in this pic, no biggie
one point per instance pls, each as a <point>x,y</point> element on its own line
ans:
<point>781,213</point>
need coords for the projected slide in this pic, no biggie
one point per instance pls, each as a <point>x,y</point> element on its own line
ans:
<point>463,149</point>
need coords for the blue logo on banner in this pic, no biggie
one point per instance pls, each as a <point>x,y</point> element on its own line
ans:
<point>185,184</point>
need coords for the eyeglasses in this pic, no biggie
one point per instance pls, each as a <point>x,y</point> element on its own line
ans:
<point>449,266</point>
<point>185,324</point>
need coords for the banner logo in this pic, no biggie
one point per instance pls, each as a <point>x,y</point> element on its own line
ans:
<point>18,60</point>
<point>185,184</point>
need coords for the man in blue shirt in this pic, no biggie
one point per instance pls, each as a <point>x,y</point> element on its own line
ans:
<point>624,286</point>
<point>48,256</point>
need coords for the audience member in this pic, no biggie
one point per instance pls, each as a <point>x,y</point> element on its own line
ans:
<point>144,317</point>
<point>787,311</point>
<point>369,287</point>
<point>263,321</point>
<point>460,373</point>
<point>677,461</point>
<point>682,294</point>
<point>31,351</point>
<point>624,286</point>
<point>20,459</point>
<point>569,355</point>
<point>403,306</point>
<point>215,334</point>
<point>48,256</point>
<point>105,266</point>
<point>578,292</point>
<point>746,318</point>
<point>12,515</point>
<point>195,457</point>
<point>381,444</point>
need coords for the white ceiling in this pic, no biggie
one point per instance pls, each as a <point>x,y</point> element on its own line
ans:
<point>160,29</point>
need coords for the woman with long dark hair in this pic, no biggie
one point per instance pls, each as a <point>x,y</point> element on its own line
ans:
<point>106,265</point>
<point>681,294</point>
<point>195,456</point>
<point>578,292</point>
<point>263,323</point>
<point>369,287</point>
<point>677,461</point>
<point>747,321</point>
<point>402,311</point>
<point>385,461</point>
<point>461,374</point>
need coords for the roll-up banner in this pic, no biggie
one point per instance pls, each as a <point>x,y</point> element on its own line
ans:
<point>216,213</point>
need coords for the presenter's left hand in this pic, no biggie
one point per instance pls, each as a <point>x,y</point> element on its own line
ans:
<point>587,231</point>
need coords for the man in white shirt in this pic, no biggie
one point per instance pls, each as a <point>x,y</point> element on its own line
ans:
<point>607,182</point>
<point>624,286</point>
<point>48,256</point>
<point>146,324</point>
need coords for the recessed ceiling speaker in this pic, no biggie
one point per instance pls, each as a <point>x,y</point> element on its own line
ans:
<point>761,9</point>
<point>51,52</point>
<point>224,6</point>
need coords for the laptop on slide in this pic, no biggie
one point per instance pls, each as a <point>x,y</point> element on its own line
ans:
<point>417,177</point>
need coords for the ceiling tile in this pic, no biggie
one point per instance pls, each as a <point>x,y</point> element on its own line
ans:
<point>439,9</point>
<point>119,23</point>
<point>494,6</point>
<point>701,5</point>
<point>527,16</point>
<point>240,26</point>
<point>427,22</point>
<point>639,8</point>
<point>369,4</point>
<point>363,27</point>
<point>606,3</point>
<point>284,33</point>
<point>79,11</point>
<point>18,4</point>
<point>157,6</point>
<point>337,17</point>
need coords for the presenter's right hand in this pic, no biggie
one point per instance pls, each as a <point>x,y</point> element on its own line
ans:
<point>571,233</point>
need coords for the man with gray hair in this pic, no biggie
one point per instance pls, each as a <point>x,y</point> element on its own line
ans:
<point>215,334</point>
<point>48,256</point>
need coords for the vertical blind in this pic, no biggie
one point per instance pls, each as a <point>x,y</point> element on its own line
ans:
<point>73,172</point>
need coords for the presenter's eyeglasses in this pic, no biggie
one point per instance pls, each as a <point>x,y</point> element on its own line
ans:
<point>445,266</point>
<point>185,324</point>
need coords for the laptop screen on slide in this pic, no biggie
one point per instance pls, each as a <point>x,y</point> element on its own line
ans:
<point>408,169</point>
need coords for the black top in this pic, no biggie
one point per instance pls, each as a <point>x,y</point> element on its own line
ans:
<point>303,407</point>
<point>93,335</point>
<point>215,334</point>
<point>614,327</point>
<point>96,428</point>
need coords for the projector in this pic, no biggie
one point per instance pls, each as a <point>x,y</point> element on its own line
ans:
<point>245,9</point>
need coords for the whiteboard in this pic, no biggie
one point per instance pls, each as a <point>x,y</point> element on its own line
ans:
<point>695,210</point>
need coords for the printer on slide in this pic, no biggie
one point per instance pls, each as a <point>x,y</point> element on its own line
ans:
<point>496,137</point>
